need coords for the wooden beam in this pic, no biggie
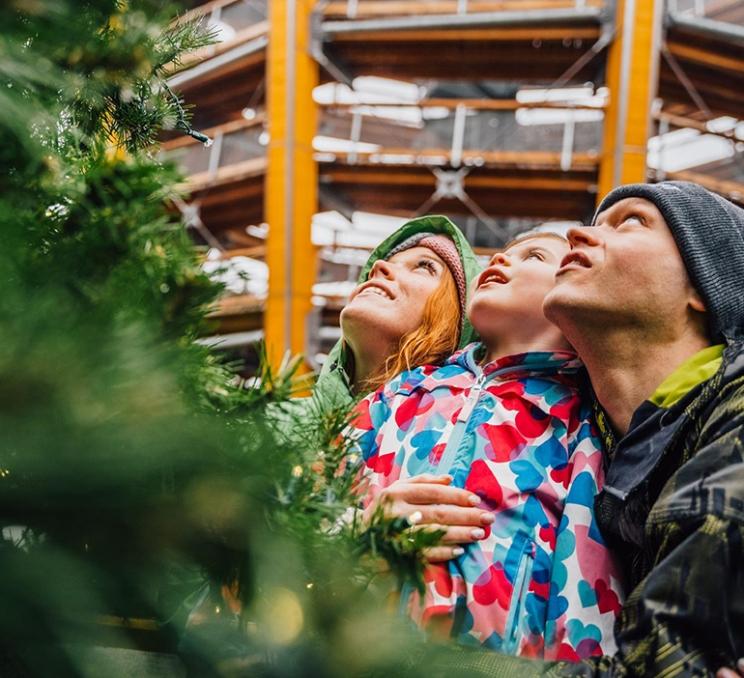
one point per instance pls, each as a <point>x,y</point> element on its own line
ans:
<point>730,189</point>
<point>236,305</point>
<point>705,57</point>
<point>224,128</point>
<point>632,77</point>
<point>255,167</point>
<point>206,8</point>
<point>257,252</point>
<point>547,33</point>
<point>702,127</point>
<point>367,9</point>
<point>526,159</point>
<point>291,195</point>
<point>516,182</point>
<point>533,183</point>
<point>211,51</point>
<point>473,104</point>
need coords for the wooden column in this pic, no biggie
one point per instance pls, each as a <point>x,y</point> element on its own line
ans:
<point>632,78</point>
<point>291,195</point>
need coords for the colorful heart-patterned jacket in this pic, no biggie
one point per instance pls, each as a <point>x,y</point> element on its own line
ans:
<point>541,583</point>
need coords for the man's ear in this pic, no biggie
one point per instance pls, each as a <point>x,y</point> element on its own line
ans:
<point>696,301</point>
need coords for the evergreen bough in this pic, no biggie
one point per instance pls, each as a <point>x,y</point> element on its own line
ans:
<point>141,481</point>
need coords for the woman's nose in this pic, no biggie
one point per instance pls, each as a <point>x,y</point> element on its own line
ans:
<point>381,269</point>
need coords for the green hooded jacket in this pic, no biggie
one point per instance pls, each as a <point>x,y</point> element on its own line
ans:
<point>334,383</point>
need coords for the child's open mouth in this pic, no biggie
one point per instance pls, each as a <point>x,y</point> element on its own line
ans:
<point>492,275</point>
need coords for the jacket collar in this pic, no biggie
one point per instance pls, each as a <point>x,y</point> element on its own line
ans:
<point>654,430</point>
<point>333,384</point>
<point>458,371</point>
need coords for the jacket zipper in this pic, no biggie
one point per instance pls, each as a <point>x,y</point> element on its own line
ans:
<point>445,462</point>
<point>473,397</point>
<point>513,635</point>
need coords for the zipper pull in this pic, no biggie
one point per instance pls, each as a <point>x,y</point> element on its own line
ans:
<point>467,408</point>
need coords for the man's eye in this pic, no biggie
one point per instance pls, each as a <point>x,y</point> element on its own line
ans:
<point>632,218</point>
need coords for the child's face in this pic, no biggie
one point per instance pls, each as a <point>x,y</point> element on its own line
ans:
<point>509,294</point>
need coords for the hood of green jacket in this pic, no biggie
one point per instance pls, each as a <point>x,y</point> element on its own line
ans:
<point>333,382</point>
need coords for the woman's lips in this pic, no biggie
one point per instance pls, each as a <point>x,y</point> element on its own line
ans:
<point>373,287</point>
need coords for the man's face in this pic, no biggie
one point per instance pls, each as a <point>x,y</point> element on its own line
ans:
<point>624,272</point>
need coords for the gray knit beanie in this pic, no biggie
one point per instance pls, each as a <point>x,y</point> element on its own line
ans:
<point>709,232</point>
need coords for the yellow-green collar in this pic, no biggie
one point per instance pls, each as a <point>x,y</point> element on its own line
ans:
<point>695,370</point>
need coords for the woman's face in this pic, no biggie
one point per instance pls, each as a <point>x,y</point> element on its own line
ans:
<point>390,304</point>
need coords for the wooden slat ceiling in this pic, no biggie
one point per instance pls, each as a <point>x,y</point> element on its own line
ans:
<point>515,54</point>
<point>509,187</point>
<point>715,67</point>
<point>228,208</point>
<point>220,95</point>
<point>508,192</point>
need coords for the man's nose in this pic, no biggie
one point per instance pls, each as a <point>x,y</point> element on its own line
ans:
<point>381,269</point>
<point>583,235</point>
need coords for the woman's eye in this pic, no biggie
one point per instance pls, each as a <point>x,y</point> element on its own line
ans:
<point>536,255</point>
<point>427,264</point>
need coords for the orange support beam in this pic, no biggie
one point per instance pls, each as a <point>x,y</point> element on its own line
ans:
<point>632,78</point>
<point>291,196</point>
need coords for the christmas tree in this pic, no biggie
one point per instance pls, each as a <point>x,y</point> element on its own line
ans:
<point>143,485</point>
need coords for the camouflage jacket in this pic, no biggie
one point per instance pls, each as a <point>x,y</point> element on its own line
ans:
<point>673,511</point>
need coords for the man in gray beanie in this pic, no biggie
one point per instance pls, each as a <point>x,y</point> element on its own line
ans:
<point>652,298</point>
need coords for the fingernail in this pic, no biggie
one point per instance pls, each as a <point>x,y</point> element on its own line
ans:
<point>740,666</point>
<point>415,518</point>
<point>458,551</point>
<point>474,499</point>
<point>487,518</point>
<point>477,533</point>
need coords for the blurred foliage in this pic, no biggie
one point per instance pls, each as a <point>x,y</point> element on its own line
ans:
<point>142,483</point>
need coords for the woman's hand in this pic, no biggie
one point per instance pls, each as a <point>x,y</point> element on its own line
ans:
<point>436,506</point>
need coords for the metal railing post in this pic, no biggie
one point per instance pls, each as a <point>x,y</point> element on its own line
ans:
<point>458,135</point>
<point>356,135</point>
<point>569,127</point>
<point>663,130</point>
<point>214,156</point>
